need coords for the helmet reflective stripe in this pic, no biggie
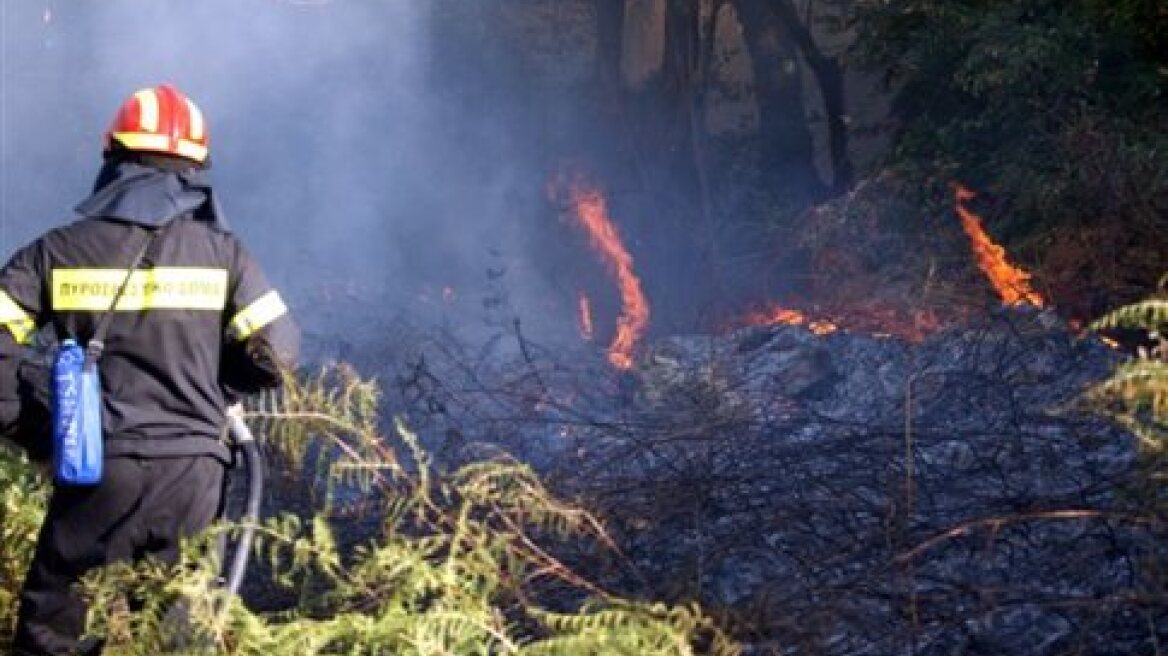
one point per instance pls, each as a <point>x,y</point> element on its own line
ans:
<point>191,150</point>
<point>196,120</point>
<point>147,110</point>
<point>162,144</point>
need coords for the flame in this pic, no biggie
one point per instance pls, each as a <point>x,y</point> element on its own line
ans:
<point>871,318</point>
<point>775,316</point>
<point>1011,283</point>
<point>585,317</point>
<point>780,316</point>
<point>449,295</point>
<point>592,213</point>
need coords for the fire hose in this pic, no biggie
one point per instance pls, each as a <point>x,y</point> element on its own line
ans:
<point>243,438</point>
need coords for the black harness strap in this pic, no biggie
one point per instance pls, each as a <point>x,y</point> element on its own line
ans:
<point>96,344</point>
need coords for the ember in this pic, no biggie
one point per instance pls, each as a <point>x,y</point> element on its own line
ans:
<point>875,319</point>
<point>591,211</point>
<point>776,316</point>
<point>1011,283</point>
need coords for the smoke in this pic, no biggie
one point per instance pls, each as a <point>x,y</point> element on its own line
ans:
<point>346,155</point>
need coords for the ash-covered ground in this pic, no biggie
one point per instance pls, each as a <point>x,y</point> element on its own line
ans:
<point>832,494</point>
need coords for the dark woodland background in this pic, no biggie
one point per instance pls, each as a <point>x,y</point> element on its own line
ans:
<point>751,151</point>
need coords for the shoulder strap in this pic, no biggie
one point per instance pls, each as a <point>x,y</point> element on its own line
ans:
<point>96,344</point>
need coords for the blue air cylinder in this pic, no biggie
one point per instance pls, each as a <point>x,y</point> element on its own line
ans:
<point>77,437</point>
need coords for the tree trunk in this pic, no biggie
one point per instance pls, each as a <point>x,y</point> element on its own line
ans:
<point>662,83</point>
<point>610,26</point>
<point>830,79</point>
<point>787,152</point>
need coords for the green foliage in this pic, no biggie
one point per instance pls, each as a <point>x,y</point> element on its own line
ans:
<point>24,497</point>
<point>1151,315</point>
<point>1136,394</point>
<point>1053,107</point>
<point>460,564</point>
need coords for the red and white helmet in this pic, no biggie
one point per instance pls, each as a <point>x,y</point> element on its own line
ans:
<point>160,120</point>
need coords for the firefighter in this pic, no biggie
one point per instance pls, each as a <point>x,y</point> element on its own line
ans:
<point>196,319</point>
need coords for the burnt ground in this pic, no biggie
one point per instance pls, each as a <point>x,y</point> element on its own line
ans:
<point>827,494</point>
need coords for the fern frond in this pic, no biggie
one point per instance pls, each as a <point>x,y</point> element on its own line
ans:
<point>1151,314</point>
<point>449,572</point>
<point>1140,382</point>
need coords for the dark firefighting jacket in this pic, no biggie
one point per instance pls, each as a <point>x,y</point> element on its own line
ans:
<point>196,318</point>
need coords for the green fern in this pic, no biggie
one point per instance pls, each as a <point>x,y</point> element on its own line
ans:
<point>1136,394</point>
<point>457,566</point>
<point>1151,315</point>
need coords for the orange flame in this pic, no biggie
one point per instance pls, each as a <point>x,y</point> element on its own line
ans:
<point>585,317</point>
<point>874,318</point>
<point>775,316</point>
<point>1011,283</point>
<point>592,213</point>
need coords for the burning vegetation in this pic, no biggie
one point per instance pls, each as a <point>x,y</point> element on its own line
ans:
<point>864,298</point>
<point>904,318</point>
<point>590,210</point>
<point>1010,282</point>
<point>781,316</point>
<point>909,317</point>
<point>875,451</point>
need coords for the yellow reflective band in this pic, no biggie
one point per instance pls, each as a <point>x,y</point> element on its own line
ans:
<point>10,310</point>
<point>191,150</point>
<point>260,313</point>
<point>161,288</point>
<point>143,141</point>
<point>15,319</point>
<point>147,110</point>
<point>161,143</point>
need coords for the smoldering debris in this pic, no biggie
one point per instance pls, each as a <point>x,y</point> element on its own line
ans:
<point>838,493</point>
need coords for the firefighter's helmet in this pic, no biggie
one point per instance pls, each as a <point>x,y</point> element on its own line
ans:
<point>160,120</point>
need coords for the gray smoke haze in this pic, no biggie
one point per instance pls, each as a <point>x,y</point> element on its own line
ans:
<point>341,161</point>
